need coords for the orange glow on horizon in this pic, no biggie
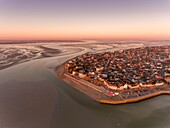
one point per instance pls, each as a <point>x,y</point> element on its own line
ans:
<point>103,33</point>
<point>110,20</point>
<point>104,36</point>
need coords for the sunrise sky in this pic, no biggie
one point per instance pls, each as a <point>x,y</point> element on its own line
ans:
<point>85,19</point>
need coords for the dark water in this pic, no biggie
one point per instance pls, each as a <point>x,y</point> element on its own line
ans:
<point>31,96</point>
<point>76,110</point>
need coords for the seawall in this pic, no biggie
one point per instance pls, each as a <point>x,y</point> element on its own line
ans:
<point>97,94</point>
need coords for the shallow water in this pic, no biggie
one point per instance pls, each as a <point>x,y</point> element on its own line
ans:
<point>31,96</point>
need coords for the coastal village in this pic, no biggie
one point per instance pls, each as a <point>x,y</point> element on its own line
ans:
<point>130,69</point>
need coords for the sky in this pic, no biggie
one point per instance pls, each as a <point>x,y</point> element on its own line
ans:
<point>85,19</point>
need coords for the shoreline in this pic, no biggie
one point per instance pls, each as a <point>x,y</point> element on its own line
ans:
<point>138,99</point>
<point>97,94</point>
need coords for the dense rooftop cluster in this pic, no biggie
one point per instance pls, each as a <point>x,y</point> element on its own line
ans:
<point>118,70</point>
